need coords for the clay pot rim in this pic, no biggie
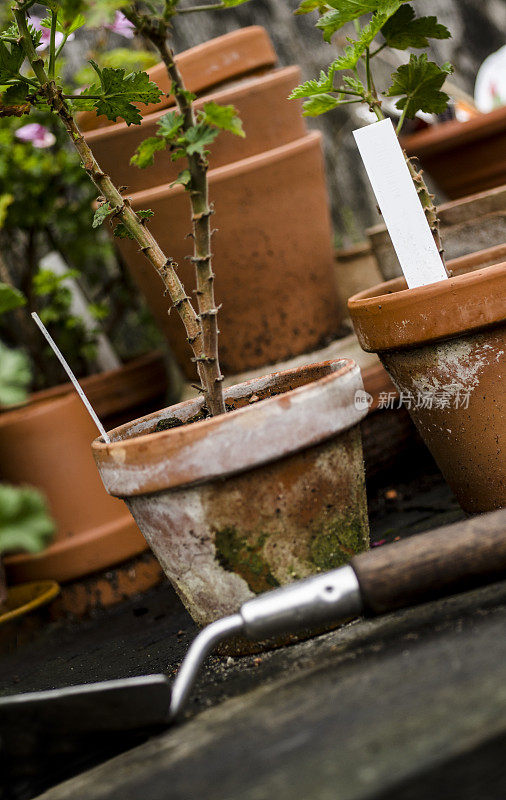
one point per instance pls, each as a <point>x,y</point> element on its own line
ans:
<point>218,446</point>
<point>390,316</point>
<point>234,169</point>
<point>249,82</point>
<point>38,405</point>
<point>448,135</point>
<point>63,560</point>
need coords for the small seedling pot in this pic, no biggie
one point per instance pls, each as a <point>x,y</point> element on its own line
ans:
<point>444,346</point>
<point>240,503</point>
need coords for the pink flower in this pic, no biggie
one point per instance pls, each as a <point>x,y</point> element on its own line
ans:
<point>37,134</point>
<point>46,35</point>
<point>122,26</point>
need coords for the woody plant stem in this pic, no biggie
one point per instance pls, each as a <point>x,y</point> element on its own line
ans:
<point>156,31</point>
<point>122,211</point>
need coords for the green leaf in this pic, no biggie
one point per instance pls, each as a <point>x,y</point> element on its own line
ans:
<point>10,298</point>
<point>144,156</point>
<point>197,137</point>
<point>101,214</point>
<point>145,214</point>
<point>15,95</point>
<point>25,524</point>
<point>356,48</point>
<point>15,376</point>
<point>183,178</point>
<point>223,117</point>
<point>169,125</point>
<point>6,200</point>
<point>319,105</point>
<point>122,232</point>
<point>344,11</point>
<point>354,84</point>
<point>405,30</point>
<point>233,3</point>
<point>118,92</point>
<point>314,87</point>
<point>420,81</point>
<point>11,60</point>
<point>311,5</point>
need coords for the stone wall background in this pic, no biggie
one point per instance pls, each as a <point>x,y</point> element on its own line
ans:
<point>478,28</point>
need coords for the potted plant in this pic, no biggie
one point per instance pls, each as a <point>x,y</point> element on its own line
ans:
<point>240,490</point>
<point>443,344</point>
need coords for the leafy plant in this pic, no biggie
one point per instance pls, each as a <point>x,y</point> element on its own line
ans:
<point>25,523</point>
<point>31,79</point>
<point>417,85</point>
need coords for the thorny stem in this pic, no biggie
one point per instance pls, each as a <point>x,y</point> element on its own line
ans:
<point>208,362</point>
<point>52,46</point>
<point>121,206</point>
<point>191,9</point>
<point>427,201</point>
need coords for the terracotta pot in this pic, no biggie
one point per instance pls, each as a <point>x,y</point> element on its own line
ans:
<point>46,444</point>
<point>273,257</point>
<point>205,66</point>
<point>118,395</point>
<point>236,504</point>
<point>356,269</point>
<point>447,341</point>
<point>256,99</point>
<point>474,223</point>
<point>463,157</point>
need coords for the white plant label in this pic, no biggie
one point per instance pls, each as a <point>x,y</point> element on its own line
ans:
<point>399,204</point>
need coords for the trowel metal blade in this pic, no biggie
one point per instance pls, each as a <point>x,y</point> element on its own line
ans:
<point>128,704</point>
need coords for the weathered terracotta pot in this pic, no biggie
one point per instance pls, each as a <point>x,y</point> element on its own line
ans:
<point>273,257</point>
<point>447,341</point>
<point>257,99</point>
<point>267,493</point>
<point>463,157</point>
<point>225,58</point>
<point>46,444</point>
<point>468,225</point>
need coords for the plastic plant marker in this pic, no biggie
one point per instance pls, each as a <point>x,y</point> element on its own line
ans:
<point>71,375</point>
<point>399,204</point>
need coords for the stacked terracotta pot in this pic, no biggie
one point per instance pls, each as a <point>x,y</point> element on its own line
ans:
<point>273,254</point>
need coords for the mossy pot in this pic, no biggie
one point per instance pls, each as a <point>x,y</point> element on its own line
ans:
<point>238,504</point>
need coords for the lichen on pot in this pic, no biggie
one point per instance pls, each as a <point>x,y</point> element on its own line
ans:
<point>237,504</point>
<point>444,346</point>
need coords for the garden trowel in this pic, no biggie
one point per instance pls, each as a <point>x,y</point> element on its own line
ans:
<point>421,568</point>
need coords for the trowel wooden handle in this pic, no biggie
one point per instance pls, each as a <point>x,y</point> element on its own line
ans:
<point>451,559</point>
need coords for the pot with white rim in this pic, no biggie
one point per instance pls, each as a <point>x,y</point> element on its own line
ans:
<point>444,346</point>
<point>271,491</point>
<point>273,256</point>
